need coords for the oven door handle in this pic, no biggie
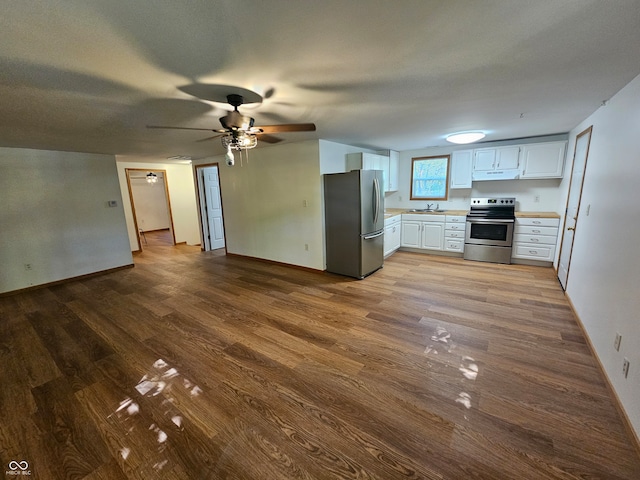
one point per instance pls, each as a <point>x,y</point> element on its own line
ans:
<point>490,220</point>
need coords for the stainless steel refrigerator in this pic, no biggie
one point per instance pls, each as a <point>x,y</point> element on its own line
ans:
<point>354,222</point>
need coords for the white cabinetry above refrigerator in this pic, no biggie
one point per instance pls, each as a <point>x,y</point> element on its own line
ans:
<point>388,163</point>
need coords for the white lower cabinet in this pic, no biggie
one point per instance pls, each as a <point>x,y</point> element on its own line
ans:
<point>392,234</point>
<point>454,233</point>
<point>535,239</point>
<point>423,231</point>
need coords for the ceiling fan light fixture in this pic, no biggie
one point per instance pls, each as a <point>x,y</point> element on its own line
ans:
<point>242,141</point>
<point>465,137</point>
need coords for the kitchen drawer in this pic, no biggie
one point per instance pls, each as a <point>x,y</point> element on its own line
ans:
<point>454,233</point>
<point>531,251</point>
<point>455,226</point>
<point>536,239</point>
<point>456,219</point>
<point>454,245</point>
<point>538,222</point>
<point>535,230</point>
<point>395,220</point>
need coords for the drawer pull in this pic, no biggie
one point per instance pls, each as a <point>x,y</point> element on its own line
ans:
<point>533,239</point>
<point>536,222</point>
<point>535,231</point>
<point>533,252</point>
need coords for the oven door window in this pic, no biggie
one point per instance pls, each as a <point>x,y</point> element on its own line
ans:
<point>489,231</point>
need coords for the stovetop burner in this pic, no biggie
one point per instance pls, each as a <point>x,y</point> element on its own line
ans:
<point>498,208</point>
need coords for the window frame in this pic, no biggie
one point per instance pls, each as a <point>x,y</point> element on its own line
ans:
<point>446,179</point>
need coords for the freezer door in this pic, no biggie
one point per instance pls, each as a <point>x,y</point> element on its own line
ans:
<point>371,201</point>
<point>372,253</point>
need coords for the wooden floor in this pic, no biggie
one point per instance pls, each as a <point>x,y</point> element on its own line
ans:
<point>156,238</point>
<point>196,365</point>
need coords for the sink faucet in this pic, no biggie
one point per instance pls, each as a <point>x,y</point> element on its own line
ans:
<point>429,206</point>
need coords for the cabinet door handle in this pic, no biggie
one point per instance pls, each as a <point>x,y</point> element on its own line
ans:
<point>571,228</point>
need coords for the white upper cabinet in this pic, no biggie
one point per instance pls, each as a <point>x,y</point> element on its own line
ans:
<point>497,163</point>
<point>394,169</point>
<point>389,164</point>
<point>543,160</point>
<point>461,169</point>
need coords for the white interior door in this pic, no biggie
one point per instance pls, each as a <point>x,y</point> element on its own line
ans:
<point>573,204</point>
<point>213,226</point>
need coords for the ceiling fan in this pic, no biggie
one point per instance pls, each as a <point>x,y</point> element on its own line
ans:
<point>238,131</point>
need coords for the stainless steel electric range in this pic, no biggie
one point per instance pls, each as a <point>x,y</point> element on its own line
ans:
<point>489,232</point>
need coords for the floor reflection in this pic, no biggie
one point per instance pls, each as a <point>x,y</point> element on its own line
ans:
<point>157,383</point>
<point>442,344</point>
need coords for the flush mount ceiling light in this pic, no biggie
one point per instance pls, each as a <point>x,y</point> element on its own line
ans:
<point>466,137</point>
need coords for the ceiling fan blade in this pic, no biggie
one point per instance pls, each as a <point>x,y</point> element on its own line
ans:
<point>185,128</point>
<point>220,93</point>
<point>211,138</point>
<point>265,137</point>
<point>287,127</point>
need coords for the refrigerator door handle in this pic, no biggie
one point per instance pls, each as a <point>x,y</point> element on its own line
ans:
<point>375,235</point>
<point>376,192</point>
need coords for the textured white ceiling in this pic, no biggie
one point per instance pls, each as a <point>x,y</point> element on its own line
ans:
<point>89,75</point>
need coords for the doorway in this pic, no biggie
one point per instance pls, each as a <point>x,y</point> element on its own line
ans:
<point>150,206</point>
<point>580,155</point>
<point>210,201</point>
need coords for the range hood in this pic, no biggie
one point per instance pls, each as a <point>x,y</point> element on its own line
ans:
<point>507,174</point>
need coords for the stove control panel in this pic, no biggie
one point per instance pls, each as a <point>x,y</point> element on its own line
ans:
<point>498,201</point>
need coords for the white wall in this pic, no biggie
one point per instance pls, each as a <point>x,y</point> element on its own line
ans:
<point>263,204</point>
<point>333,156</point>
<point>604,276</point>
<point>150,199</point>
<point>182,196</point>
<point>525,191</point>
<point>55,217</point>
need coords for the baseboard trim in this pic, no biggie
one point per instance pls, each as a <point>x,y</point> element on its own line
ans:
<point>275,262</point>
<point>156,230</point>
<point>65,280</point>
<point>616,400</point>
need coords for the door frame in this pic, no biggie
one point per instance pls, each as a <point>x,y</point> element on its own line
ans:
<point>201,198</point>
<point>586,131</point>
<point>133,205</point>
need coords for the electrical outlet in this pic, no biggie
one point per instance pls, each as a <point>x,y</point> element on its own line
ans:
<point>28,266</point>
<point>536,199</point>
<point>625,368</point>
<point>306,247</point>
<point>305,203</point>
<point>616,342</point>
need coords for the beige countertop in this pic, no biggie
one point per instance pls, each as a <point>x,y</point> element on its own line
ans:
<point>537,215</point>
<point>391,212</point>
